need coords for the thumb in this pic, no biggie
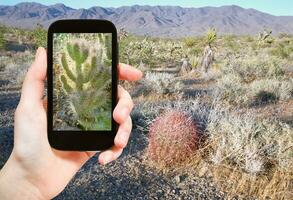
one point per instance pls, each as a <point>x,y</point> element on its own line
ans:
<point>33,85</point>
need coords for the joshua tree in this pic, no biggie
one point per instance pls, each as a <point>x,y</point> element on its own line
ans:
<point>122,33</point>
<point>87,84</point>
<point>208,54</point>
<point>185,67</point>
<point>264,34</point>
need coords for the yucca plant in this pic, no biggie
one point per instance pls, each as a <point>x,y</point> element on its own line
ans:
<point>211,36</point>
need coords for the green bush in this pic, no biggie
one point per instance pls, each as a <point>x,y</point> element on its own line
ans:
<point>282,50</point>
<point>2,41</point>
<point>190,42</point>
<point>39,36</point>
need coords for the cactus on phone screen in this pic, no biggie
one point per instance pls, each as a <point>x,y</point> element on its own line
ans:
<point>86,79</point>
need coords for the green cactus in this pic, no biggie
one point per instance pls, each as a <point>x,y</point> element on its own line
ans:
<point>87,85</point>
<point>106,40</point>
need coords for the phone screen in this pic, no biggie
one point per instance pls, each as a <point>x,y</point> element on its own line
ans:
<point>82,83</point>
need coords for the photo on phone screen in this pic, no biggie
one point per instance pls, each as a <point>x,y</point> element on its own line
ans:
<point>82,85</point>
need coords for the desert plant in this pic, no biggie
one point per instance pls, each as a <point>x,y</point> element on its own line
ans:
<point>39,36</point>
<point>87,85</point>
<point>282,50</point>
<point>190,42</point>
<point>2,41</point>
<point>18,34</point>
<point>211,36</point>
<point>208,54</point>
<point>245,141</point>
<point>161,83</point>
<point>186,66</point>
<point>194,61</point>
<point>264,35</point>
<point>173,138</point>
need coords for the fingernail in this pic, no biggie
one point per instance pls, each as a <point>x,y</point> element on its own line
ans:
<point>107,159</point>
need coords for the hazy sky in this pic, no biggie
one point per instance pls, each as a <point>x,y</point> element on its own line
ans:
<point>275,7</point>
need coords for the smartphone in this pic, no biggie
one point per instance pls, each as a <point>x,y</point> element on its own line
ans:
<point>82,84</point>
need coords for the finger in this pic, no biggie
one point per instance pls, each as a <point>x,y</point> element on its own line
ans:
<point>110,155</point>
<point>126,72</point>
<point>123,133</point>
<point>33,85</point>
<point>123,107</point>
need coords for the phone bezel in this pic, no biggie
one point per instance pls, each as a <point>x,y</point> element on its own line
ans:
<point>81,140</point>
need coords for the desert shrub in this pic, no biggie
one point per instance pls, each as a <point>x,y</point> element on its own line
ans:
<point>151,53</point>
<point>4,60</point>
<point>2,41</point>
<point>173,138</point>
<point>282,50</point>
<point>284,35</point>
<point>264,97</point>
<point>251,67</point>
<point>246,142</point>
<point>230,88</point>
<point>270,90</point>
<point>190,42</point>
<point>161,83</point>
<point>39,36</point>
<point>248,39</point>
<point>18,67</point>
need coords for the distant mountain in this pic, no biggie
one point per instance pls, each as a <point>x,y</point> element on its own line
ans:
<point>162,21</point>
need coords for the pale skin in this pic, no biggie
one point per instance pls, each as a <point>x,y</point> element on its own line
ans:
<point>34,170</point>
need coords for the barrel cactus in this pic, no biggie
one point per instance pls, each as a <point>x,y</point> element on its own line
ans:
<point>173,138</point>
<point>86,81</point>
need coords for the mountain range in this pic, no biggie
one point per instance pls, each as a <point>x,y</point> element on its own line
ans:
<point>159,21</point>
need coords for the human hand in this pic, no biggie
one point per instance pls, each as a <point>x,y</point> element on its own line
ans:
<point>34,170</point>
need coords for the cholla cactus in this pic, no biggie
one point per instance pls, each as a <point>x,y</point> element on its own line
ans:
<point>173,138</point>
<point>86,80</point>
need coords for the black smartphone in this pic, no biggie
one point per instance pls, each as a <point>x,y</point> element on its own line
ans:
<point>82,79</point>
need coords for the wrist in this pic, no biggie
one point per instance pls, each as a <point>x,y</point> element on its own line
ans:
<point>14,184</point>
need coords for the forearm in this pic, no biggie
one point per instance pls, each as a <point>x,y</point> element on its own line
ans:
<point>13,184</point>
